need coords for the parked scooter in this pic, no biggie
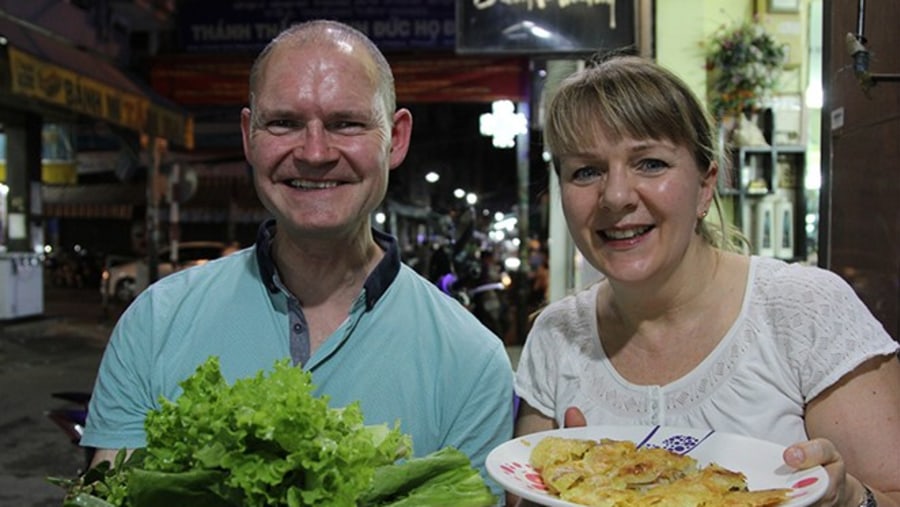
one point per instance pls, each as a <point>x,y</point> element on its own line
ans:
<point>483,300</point>
<point>466,270</point>
<point>71,418</point>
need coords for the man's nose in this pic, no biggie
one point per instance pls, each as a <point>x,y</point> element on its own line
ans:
<point>314,144</point>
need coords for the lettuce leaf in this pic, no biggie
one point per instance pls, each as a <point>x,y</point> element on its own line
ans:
<point>460,487</point>
<point>444,477</point>
<point>196,488</point>
<point>276,442</point>
<point>267,441</point>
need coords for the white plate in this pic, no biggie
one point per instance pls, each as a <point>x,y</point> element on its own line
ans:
<point>759,460</point>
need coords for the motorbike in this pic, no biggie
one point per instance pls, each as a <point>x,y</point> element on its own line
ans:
<point>464,268</point>
<point>484,300</point>
<point>71,418</point>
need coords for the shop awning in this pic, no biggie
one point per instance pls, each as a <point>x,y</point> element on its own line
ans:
<point>51,71</point>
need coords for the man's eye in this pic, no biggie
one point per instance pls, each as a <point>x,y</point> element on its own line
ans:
<point>281,127</point>
<point>346,126</point>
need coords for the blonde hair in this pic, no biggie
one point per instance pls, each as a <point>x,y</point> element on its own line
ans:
<point>631,96</point>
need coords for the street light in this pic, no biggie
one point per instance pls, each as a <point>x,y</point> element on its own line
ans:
<point>503,124</point>
<point>432,177</point>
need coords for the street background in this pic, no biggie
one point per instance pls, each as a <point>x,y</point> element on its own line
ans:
<point>59,351</point>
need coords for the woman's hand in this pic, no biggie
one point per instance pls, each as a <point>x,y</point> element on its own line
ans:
<point>843,490</point>
<point>574,418</point>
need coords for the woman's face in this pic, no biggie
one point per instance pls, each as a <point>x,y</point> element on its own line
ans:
<point>632,205</point>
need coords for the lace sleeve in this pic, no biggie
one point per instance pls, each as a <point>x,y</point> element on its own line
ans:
<point>561,340</point>
<point>537,370</point>
<point>825,328</point>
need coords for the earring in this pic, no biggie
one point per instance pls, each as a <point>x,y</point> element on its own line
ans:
<point>703,214</point>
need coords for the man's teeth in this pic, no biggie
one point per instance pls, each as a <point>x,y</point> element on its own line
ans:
<point>625,233</point>
<point>312,185</point>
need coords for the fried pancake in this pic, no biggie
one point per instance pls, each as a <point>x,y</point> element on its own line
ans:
<point>614,473</point>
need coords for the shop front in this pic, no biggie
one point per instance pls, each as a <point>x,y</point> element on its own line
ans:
<point>48,90</point>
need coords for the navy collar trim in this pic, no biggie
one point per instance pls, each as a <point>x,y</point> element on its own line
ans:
<point>376,284</point>
<point>264,237</point>
<point>386,271</point>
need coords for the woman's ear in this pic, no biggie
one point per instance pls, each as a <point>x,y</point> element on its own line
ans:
<point>708,183</point>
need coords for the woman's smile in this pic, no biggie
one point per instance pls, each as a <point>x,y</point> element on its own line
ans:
<point>619,234</point>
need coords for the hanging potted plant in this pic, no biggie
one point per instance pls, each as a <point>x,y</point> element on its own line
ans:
<point>744,62</point>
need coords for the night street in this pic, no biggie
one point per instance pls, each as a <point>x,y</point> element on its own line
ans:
<point>39,356</point>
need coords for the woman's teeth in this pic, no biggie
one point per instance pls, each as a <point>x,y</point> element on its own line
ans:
<point>625,233</point>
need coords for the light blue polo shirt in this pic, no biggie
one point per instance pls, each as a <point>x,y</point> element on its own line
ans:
<point>407,352</point>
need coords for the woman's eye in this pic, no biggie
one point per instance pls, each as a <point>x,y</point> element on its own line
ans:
<point>652,165</point>
<point>585,173</point>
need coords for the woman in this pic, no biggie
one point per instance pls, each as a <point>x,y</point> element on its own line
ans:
<point>684,330</point>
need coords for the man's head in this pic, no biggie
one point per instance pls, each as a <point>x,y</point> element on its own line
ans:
<point>322,132</point>
<point>333,33</point>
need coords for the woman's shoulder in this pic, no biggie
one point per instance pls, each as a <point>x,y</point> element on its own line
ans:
<point>781,279</point>
<point>571,316</point>
<point>810,301</point>
<point>816,318</point>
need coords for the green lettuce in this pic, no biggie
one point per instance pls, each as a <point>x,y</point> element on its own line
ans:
<point>267,441</point>
<point>444,477</point>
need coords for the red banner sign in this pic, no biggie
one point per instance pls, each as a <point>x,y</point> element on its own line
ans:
<point>193,80</point>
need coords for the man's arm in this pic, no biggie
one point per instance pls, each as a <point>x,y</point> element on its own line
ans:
<point>101,455</point>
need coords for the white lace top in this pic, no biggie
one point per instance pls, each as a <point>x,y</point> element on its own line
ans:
<point>800,329</point>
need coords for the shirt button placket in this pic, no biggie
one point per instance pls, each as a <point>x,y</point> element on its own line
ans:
<point>655,402</point>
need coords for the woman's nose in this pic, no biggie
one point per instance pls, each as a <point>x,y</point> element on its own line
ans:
<point>618,191</point>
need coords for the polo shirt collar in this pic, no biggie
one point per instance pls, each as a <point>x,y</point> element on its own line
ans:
<point>376,284</point>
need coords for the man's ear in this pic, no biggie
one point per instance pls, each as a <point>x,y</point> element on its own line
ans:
<point>401,132</point>
<point>246,118</point>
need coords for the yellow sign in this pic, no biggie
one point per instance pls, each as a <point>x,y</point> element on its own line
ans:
<point>53,172</point>
<point>51,83</point>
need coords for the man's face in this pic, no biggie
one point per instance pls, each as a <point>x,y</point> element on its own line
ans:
<point>319,140</point>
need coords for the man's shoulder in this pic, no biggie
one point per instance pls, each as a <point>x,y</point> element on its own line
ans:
<point>237,267</point>
<point>414,287</point>
<point>219,298</point>
<point>445,314</point>
<point>215,283</point>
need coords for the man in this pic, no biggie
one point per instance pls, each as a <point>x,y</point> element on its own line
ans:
<point>320,285</point>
